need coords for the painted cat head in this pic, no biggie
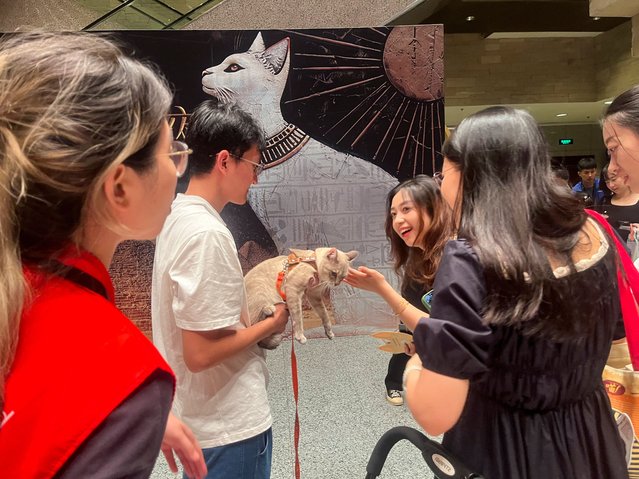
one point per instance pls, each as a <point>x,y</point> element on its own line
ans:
<point>256,76</point>
<point>332,264</point>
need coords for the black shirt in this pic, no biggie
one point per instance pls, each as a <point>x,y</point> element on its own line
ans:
<point>619,217</point>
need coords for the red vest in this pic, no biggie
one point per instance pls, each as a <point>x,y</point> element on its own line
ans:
<point>78,358</point>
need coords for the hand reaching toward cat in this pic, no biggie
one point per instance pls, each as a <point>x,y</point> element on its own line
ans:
<point>366,278</point>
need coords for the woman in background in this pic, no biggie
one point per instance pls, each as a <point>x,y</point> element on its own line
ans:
<point>622,209</point>
<point>621,136</point>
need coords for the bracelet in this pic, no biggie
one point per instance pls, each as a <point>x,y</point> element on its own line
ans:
<point>409,369</point>
<point>403,304</point>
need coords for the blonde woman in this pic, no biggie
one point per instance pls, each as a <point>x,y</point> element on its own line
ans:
<point>86,160</point>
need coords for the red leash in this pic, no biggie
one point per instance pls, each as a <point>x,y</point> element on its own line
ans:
<point>297,417</point>
<point>291,261</point>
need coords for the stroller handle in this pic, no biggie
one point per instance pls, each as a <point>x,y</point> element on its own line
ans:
<point>443,464</point>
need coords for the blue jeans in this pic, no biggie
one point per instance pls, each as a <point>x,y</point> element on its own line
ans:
<point>247,459</point>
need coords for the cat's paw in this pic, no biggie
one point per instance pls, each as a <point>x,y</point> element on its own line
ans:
<point>329,333</point>
<point>267,311</point>
<point>300,338</point>
<point>271,342</point>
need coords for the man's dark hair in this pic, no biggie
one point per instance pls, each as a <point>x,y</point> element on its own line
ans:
<point>216,126</point>
<point>586,164</point>
<point>560,171</point>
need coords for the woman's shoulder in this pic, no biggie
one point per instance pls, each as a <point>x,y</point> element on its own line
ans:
<point>591,250</point>
<point>459,247</point>
<point>460,260</point>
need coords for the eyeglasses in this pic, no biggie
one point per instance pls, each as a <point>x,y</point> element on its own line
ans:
<point>257,167</point>
<point>438,176</point>
<point>177,121</point>
<point>179,154</point>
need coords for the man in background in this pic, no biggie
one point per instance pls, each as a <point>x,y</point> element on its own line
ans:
<point>588,188</point>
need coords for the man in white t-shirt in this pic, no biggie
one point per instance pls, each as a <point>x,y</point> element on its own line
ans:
<point>199,309</point>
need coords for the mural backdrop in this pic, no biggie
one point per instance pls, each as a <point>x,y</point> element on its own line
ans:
<point>347,112</point>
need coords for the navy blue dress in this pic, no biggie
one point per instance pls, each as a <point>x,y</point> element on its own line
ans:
<point>536,408</point>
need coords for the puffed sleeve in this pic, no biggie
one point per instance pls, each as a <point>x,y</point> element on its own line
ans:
<point>454,341</point>
<point>207,267</point>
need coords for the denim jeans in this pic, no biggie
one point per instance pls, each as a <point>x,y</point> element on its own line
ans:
<point>247,459</point>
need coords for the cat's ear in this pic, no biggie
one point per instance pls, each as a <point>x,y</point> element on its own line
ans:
<point>352,255</point>
<point>258,44</point>
<point>276,56</point>
<point>332,254</point>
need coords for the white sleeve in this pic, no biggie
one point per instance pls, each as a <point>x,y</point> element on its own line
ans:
<point>207,282</point>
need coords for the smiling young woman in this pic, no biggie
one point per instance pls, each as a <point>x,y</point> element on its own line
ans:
<point>418,225</point>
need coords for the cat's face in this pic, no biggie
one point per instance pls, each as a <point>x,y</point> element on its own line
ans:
<point>332,264</point>
<point>250,77</point>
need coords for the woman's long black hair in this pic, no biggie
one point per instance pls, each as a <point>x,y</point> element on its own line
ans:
<point>515,215</point>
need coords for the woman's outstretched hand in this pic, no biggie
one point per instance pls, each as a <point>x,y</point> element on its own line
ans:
<point>366,278</point>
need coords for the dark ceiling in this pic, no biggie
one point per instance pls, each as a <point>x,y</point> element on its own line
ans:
<point>489,16</point>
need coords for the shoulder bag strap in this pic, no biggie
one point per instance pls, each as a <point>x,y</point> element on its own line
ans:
<point>628,283</point>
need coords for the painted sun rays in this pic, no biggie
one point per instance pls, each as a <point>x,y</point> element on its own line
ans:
<point>400,127</point>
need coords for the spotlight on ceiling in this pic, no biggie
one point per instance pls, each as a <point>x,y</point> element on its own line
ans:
<point>596,18</point>
<point>470,18</point>
<point>561,114</point>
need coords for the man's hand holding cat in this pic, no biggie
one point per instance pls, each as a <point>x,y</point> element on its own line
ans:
<point>366,278</point>
<point>279,319</point>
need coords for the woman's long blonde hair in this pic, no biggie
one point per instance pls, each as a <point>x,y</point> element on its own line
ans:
<point>72,106</point>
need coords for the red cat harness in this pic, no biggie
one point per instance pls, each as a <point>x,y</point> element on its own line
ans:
<point>78,359</point>
<point>291,261</point>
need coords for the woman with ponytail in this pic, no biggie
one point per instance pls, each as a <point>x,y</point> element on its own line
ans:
<point>87,160</point>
